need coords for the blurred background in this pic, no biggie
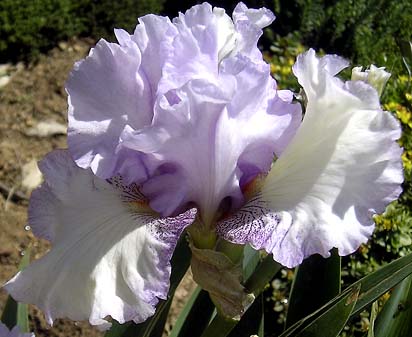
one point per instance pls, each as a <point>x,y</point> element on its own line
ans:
<point>41,39</point>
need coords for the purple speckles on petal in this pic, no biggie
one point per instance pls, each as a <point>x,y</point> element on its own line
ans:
<point>110,252</point>
<point>253,224</point>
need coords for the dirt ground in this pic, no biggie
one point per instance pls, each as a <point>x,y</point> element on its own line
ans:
<point>36,94</point>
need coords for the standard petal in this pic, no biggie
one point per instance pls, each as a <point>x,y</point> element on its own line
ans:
<point>114,91</point>
<point>107,92</point>
<point>207,36</point>
<point>249,23</point>
<point>110,254</point>
<point>195,49</point>
<point>216,139</point>
<point>154,36</point>
<point>342,167</point>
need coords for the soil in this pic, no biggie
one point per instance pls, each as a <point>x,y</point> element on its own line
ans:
<point>34,94</point>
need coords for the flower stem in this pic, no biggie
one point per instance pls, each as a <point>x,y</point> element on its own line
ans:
<point>264,272</point>
<point>219,327</point>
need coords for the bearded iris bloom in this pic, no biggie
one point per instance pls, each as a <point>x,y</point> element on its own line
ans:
<point>176,126</point>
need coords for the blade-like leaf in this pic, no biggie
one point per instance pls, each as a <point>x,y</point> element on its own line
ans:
<point>378,283</point>
<point>251,321</point>
<point>264,272</point>
<point>17,313</point>
<point>261,331</point>
<point>251,259</point>
<point>371,288</point>
<point>329,320</point>
<point>395,319</point>
<point>317,281</point>
<point>195,315</point>
<point>154,326</point>
<point>219,327</point>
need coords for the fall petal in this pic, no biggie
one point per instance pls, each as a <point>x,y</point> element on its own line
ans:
<point>110,254</point>
<point>342,167</point>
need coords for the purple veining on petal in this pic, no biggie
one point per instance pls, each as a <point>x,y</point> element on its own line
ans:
<point>253,224</point>
<point>342,167</point>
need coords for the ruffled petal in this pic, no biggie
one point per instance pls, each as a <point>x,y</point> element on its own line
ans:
<point>342,167</point>
<point>206,36</point>
<point>216,138</point>
<point>154,36</point>
<point>202,32</point>
<point>110,256</point>
<point>107,92</point>
<point>249,23</point>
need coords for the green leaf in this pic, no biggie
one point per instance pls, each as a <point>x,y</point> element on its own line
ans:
<point>17,313</point>
<point>154,326</point>
<point>264,272</point>
<point>378,283</point>
<point>251,321</point>
<point>261,331</point>
<point>195,315</point>
<point>329,320</point>
<point>251,259</point>
<point>395,319</point>
<point>317,281</point>
<point>367,290</point>
<point>219,327</point>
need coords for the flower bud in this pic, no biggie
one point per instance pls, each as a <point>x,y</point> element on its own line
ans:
<point>376,77</point>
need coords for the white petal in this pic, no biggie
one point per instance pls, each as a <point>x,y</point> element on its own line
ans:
<point>110,255</point>
<point>342,167</point>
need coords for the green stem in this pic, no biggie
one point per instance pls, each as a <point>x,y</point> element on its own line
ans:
<point>219,327</point>
<point>264,272</point>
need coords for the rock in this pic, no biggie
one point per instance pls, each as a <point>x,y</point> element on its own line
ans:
<point>63,45</point>
<point>4,69</point>
<point>4,80</point>
<point>31,175</point>
<point>46,129</point>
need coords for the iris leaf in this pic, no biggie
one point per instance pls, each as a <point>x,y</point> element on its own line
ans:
<point>371,287</point>
<point>195,315</point>
<point>379,282</point>
<point>317,281</point>
<point>395,319</point>
<point>251,322</point>
<point>329,320</point>
<point>251,259</point>
<point>17,313</point>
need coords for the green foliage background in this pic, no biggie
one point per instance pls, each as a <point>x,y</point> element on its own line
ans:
<point>29,27</point>
<point>366,31</point>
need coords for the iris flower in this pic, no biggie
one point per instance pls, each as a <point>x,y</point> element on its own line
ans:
<point>180,125</point>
